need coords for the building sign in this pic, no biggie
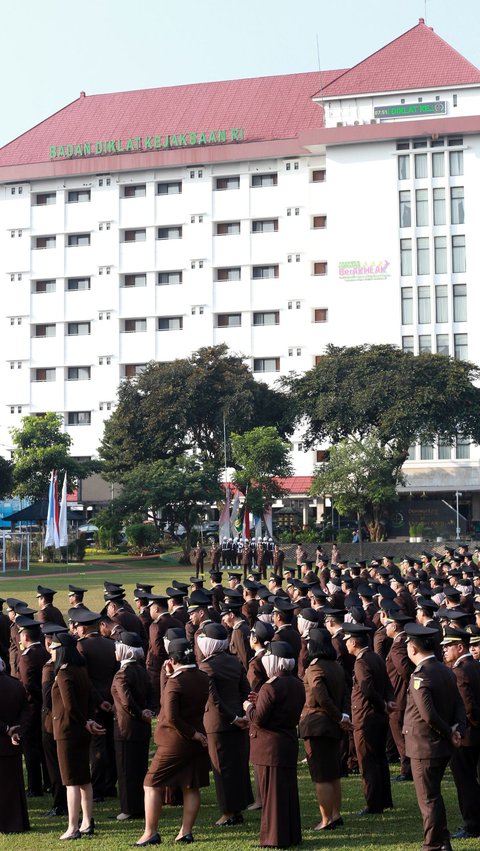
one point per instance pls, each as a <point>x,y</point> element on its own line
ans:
<point>410,110</point>
<point>146,143</point>
<point>358,271</point>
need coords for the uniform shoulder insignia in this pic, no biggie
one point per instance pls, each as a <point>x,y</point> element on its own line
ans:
<point>417,682</point>
<point>272,679</point>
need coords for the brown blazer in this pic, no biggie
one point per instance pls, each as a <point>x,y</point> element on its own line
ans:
<point>48,677</point>
<point>14,711</point>
<point>381,642</point>
<point>434,706</point>
<point>50,614</point>
<point>467,674</point>
<point>344,658</point>
<point>99,655</point>
<point>184,698</point>
<point>240,644</point>
<point>273,721</point>
<point>292,637</point>
<point>256,674</point>
<point>131,693</point>
<point>371,688</point>
<point>30,664</point>
<point>228,688</point>
<point>72,704</point>
<point>399,670</point>
<point>325,700</point>
<point>156,648</point>
<point>250,611</point>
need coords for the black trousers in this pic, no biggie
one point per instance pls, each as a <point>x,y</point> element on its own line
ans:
<point>33,753</point>
<point>370,744</point>
<point>102,758</point>
<point>464,769</point>
<point>428,776</point>
<point>132,766</point>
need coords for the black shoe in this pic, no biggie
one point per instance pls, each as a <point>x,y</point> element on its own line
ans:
<point>367,812</point>
<point>154,840</point>
<point>338,822</point>
<point>463,833</point>
<point>76,835</point>
<point>187,838</point>
<point>90,830</point>
<point>55,811</point>
<point>232,821</point>
<point>402,778</point>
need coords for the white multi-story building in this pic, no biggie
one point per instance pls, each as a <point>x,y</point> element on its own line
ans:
<point>276,215</point>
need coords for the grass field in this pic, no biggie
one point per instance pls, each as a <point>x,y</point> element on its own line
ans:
<point>397,830</point>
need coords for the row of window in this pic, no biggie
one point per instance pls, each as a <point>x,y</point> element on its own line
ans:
<point>430,141</point>
<point>74,373</point>
<point>441,342</point>
<point>440,451</point>
<point>423,257</point>
<point>430,165</point>
<point>439,209</point>
<point>439,296</point>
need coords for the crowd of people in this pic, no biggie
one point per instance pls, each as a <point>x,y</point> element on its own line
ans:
<point>367,663</point>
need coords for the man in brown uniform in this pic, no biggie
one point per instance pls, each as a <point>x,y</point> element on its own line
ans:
<point>30,663</point>
<point>399,670</point>
<point>433,726</point>
<point>238,631</point>
<point>48,613</point>
<point>372,699</point>
<point>156,656</point>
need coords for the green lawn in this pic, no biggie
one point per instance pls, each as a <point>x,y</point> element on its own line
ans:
<point>397,830</point>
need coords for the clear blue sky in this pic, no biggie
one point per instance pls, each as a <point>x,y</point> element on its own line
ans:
<point>53,50</point>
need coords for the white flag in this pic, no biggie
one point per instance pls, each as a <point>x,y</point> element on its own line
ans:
<point>62,521</point>
<point>51,532</point>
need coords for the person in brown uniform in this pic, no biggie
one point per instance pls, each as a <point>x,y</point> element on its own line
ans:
<point>4,635</point>
<point>59,803</point>
<point>30,663</point>
<point>225,724</point>
<point>176,606</point>
<point>47,612</point>
<point>156,656</point>
<point>132,701</point>
<point>199,554</point>
<point>182,757</point>
<point>464,761</point>
<point>284,628</point>
<point>433,726</point>
<point>399,670</point>
<point>372,699</point>
<point>13,648</point>
<point>273,714</point>
<point>14,714</point>
<point>239,632</point>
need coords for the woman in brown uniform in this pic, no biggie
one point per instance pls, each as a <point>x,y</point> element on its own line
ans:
<point>321,725</point>
<point>72,709</point>
<point>181,758</point>
<point>132,699</point>
<point>14,713</point>
<point>274,714</point>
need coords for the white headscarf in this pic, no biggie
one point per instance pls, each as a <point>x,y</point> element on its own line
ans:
<point>304,626</point>
<point>275,664</point>
<point>209,646</point>
<point>125,654</point>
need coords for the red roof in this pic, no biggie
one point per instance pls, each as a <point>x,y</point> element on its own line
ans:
<point>296,484</point>
<point>418,59</point>
<point>268,108</point>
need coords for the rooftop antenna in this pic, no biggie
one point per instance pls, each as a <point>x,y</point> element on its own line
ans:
<point>318,61</point>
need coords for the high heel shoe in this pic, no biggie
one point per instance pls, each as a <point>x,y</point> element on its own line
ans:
<point>154,840</point>
<point>187,838</point>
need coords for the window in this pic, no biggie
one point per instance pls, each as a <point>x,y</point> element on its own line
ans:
<point>78,373</point>
<point>79,418</point>
<point>440,250</point>
<point>232,273</point>
<point>405,256</point>
<point>424,309</point>
<point>404,167</point>
<point>76,284</point>
<point>421,166</point>
<point>264,225</point>
<point>444,451</point>
<point>227,182</point>
<point>78,239</point>
<point>130,370</point>
<point>76,196</point>
<point>138,235</point>
<point>319,175</point>
<point>407,306</point>
<point>172,232</point>
<point>462,449</point>
<point>439,213</point>
<point>229,320</point>
<point>438,165</point>
<point>419,143</point>
<point>456,200</point>
<point>265,272</point>
<point>320,314</point>
<point>405,210</point>
<point>408,345</point>
<point>459,302</point>
<point>458,254</point>
<point>44,330</point>
<point>266,365</point>
<point>170,323</point>
<point>441,303</point>
<point>426,452</point>
<point>138,190</point>
<point>227,228</point>
<point>270,317</point>
<point>78,329</point>
<point>45,242</point>
<point>174,277</point>
<point>48,374</point>
<point>169,187</point>
<point>421,207</point>
<point>134,326</point>
<point>456,163</point>
<point>442,344</point>
<point>42,199</point>
<point>319,222</point>
<point>460,344</point>
<point>424,343</point>
<point>44,286</point>
<point>320,267</point>
<point>423,256</point>
<point>135,280</point>
<point>264,180</point>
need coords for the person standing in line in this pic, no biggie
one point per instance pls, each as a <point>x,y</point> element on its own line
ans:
<point>59,803</point>
<point>399,670</point>
<point>30,664</point>
<point>14,715</point>
<point>433,726</point>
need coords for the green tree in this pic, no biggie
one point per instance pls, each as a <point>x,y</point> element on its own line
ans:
<point>181,405</point>
<point>40,447</point>
<point>6,477</point>
<point>260,457</point>
<point>172,490</point>
<point>362,477</point>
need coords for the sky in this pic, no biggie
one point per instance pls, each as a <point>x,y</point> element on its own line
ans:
<point>51,51</point>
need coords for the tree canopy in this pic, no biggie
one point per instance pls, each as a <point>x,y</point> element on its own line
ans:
<point>260,455</point>
<point>404,398</point>
<point>40,447</point>
<point>180,405</point>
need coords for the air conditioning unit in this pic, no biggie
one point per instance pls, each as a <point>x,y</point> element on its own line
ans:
<point>373,121</point>
<point>356,122</point>
<point>339,123</point>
